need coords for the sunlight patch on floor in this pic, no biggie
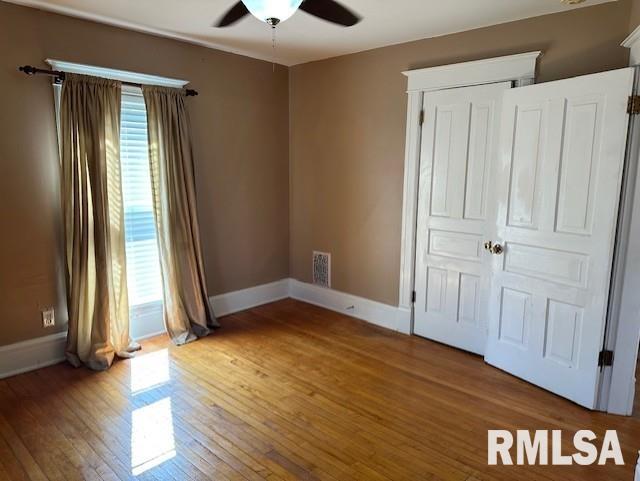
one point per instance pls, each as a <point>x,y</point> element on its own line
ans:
<point>149,371</point>
<point>152,440</point>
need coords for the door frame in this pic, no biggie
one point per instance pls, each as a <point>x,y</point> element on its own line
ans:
<point>617,387</point>
<point>623,332</point>
<point>519,69</point>
<point>623,329</point>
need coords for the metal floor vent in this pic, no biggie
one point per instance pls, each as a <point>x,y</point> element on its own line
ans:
<point>322,269</point>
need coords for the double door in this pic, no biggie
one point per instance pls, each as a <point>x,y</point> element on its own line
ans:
<point>518,200</point>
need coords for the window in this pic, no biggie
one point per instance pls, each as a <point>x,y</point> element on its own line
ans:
<point>143,263</point>
<point>143,266</point>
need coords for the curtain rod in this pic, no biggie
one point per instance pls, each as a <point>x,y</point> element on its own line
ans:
<point>59,77</point>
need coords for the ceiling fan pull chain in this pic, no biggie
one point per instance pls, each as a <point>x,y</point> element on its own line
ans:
<point>273,46</point>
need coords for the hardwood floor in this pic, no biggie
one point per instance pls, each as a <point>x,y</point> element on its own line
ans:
<point>286,391</point>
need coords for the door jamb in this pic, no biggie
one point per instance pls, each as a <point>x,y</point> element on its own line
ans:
<point>623,331</point>
<point>519,68</point>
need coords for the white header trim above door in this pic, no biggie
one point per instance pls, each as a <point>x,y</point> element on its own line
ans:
<point>632,42</point>
<point>499,69</point>
<point>518,68</point>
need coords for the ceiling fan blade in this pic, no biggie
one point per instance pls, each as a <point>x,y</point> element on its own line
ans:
<point>330,11</point>
<point>234,14</point>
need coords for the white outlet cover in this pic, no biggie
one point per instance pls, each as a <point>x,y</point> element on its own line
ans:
<point>48,317</point>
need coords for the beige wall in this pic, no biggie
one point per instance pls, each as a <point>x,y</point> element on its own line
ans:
<point>634,16</point>
<point>240,133</point>
<point>347,118</point>
<point>340,122</point>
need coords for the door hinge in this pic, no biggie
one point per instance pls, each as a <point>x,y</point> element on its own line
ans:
<point>413,297</point>
<point>633,105</point>
<point>605,358</point>
<point>421,121</point>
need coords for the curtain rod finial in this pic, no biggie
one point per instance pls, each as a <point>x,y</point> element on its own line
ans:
<point>28,69</point>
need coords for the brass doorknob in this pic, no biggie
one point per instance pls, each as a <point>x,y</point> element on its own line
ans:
<point>497,249</point>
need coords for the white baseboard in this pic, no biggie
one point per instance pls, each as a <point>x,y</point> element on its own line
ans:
<point>32,354</point>
<point>149,318</point>
<point>384,315</point>
<point>225,304</point>
<point>44,351</point>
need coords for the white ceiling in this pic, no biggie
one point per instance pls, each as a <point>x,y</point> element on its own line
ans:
<point>303,38</point>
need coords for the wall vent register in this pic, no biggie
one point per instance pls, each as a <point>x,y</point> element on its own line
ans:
<point>322,269</point>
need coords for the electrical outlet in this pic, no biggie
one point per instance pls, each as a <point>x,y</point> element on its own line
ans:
<point>48,317</point>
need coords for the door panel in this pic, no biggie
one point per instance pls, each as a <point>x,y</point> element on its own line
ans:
<point>469,299</point>
<point>515,315</point>
<point>453,212</point>
<point>524,189</point>
<point>579,167</point>
<point>475,206</point>
<point>567,268</point>
<point>558,186</point>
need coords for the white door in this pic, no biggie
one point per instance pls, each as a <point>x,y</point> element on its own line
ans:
<point>561,156</point>
<point>455,214</point>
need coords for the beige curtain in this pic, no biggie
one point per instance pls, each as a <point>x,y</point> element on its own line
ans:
<point>93,222</point>
<point>187,313</point>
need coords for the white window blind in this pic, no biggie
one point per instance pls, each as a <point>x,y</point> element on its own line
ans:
<point>143,265</point>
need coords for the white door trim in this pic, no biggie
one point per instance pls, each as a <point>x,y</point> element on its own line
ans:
<point>632,42</point>
<point>521,66</point>
<point>623,335</point>
<point>410,202</point>
<point>519,69</point>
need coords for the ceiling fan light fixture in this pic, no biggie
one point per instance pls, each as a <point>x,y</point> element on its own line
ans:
<point>272,12</point>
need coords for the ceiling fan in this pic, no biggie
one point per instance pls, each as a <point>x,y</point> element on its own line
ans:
<point>274,12</point>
